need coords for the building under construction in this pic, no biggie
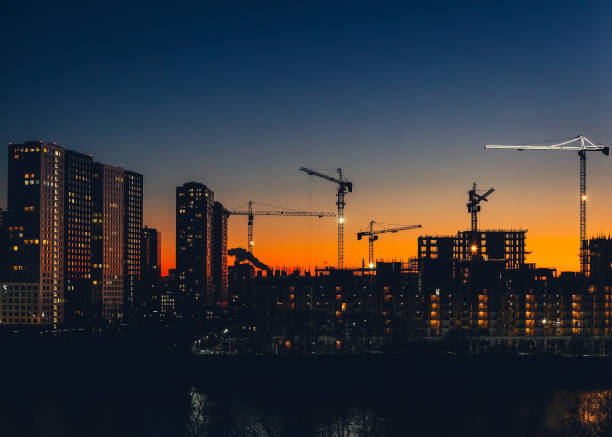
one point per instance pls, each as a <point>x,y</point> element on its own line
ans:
<point>600,257</point>
<point>440,256</point>
<point>458,274</point>
<point>505,245</point>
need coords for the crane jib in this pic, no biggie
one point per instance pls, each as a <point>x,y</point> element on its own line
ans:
<point>584,145</point>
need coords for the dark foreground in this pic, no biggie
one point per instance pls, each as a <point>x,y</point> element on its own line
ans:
<point>111,390</point>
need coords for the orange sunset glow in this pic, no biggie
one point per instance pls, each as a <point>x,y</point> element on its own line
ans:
<point>280,245</point>
<point>551,218</point>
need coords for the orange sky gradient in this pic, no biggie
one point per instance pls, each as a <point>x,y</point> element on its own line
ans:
<point>523,200</point>
<point>308,245</point>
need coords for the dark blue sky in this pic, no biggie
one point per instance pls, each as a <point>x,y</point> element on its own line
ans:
<point>239,95</point>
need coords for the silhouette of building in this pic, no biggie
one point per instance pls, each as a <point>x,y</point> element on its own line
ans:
<point>151,269</point>
<point>77,237</point>
<point>461,281</point>
<point>169,285</point>
<point>492,245</point>
<point>600,257</point>
<point>194,210</point>
<point>219,254</point>
<point>34,291</point>
<point>439,256</point>
<point>3,244</point>
<point>132,235</point>
<point>107,240</point>
<point>436,262</point>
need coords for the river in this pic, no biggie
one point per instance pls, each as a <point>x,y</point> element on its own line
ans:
<point>121,394</point>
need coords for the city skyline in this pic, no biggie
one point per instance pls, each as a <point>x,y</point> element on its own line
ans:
<point>306,218</point>
<point>402,243</point>
<point>405,109</point>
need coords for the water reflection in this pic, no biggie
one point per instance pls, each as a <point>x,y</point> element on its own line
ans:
<point>565,413</point>
<point>198,418</point>
<point>208,418</point>
<point>360,422</point>
<point>584,413</point>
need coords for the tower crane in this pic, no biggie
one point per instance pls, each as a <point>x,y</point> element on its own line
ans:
<point>344,187</point>
<point>373,236</point>
<point>250,213</point>
<point>473,205</point>
<point>579,144</point>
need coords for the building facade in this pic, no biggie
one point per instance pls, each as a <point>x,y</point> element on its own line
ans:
<point>194,210</point>
<point>107,241</point>
<point>219,254</point>
<point>600,257</point>
<point>34,293</point>
<point>492,245</point>
<point>169,292</point>
<point>3,244</point>
<point>132,235</point>
<point>77,237</point>
<point>150,294</point>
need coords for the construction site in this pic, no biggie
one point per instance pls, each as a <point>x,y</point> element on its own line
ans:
<point>500,244</point>
<point>475,285</point>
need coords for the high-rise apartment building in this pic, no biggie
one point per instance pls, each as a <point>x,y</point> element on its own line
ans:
<point>194,208</point>
<point>34,289</point>
<point>74,233</point>
<point>168,293</point>
<point>107,240</point>
<point>132,234</point>
<point>219,254</point>
<point>3,244</point>
<point>77,234</point>
<point>151,268</point>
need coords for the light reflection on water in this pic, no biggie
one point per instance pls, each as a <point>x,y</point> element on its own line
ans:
<point>594,408</point>
<point>358,422</point>
<point>582,413</point>
<point>198,418</point>
<point>567,413</point>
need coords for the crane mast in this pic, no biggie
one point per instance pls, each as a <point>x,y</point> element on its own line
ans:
<point>373,236</point>
<point>250,213</point>
<point>371,241</point>
<point>581,144</point>
<point>344,187</point>
<point>340,204</point>
<point>584,250</point>
<point>250,228</point>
